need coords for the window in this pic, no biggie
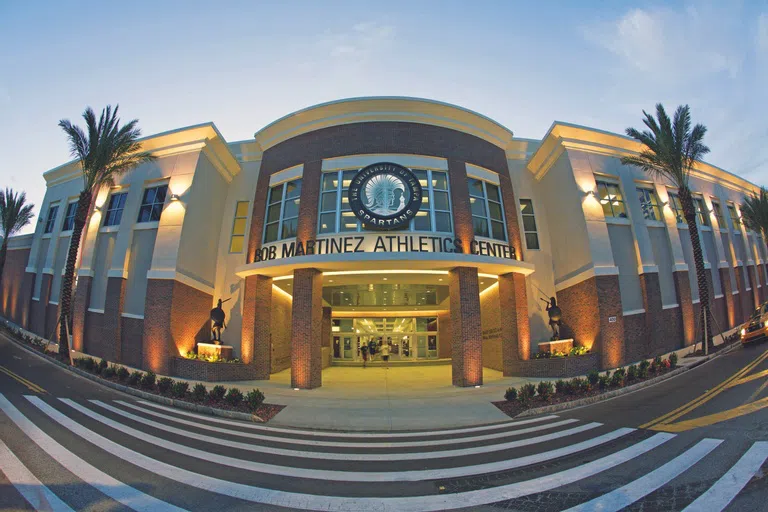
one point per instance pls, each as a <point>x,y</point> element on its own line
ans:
<point>611,198</point>
<point>69,217</point>
<point>650,204</point>
<point>677,207</point>
<point>719,215</point>
<point>282,211</point>
<point>701,211</point>
<point>115,209</point>
<point>51,220</point>
<point>487,211</point>
<point>237,239</point>
<point>152,204</point>
<point>529,224</point>
<point>734,217</point>
<point>337,217</point>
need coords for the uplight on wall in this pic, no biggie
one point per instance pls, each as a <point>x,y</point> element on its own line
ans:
<point>174,197</point>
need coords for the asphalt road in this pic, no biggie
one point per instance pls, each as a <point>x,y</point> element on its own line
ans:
<point>68,444</point>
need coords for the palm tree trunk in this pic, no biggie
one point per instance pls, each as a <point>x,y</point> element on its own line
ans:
<point>65,301</point>
<point>689,212</point>
<point>3,252</point>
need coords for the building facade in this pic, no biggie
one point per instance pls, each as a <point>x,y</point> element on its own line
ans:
<point>479,227</point>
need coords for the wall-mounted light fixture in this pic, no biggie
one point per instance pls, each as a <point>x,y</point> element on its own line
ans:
<point>665,203</point>
<point>96,208</point>
<point>174,197</point>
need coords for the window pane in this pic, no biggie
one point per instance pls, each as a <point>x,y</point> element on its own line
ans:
<point>149,196</point>
<point>443,222</point>
<point>328,223</point>
<point>441,200</point>
<point>157,211</point>
<point>493,192</point>
<point>495,210</point>
<point>273,213</point>
<point>160,193</point>
<point>275,194</point>
<point>144,213</point>
<point>345,201</point>
<point>239,227</point>
<point>478,206</point>
<point>348,222</point>
<point>422,222</point>
<point>498,230</point>
<point>529,223</point>
<point>289,228</point>
<point>347,178</point>
<point>270,235</point>
<point>293,189</point>
<point>439,180</point>
<point>526,207</point>
<point>330,181</point>
<point>422,177</point>
<point>618,209</point>
<point>329,202</point>
<point>291,208</point>
<point>242,209</point>
<point>480,226</point>
<point>532,240</point>
<point>475,187</point>
<point>236,245</point>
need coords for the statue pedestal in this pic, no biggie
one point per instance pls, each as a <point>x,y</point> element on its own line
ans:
<point>211,349</point>
<point>559,345</point>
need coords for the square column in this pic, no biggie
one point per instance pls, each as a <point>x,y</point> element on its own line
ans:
<point>515,329</point>
<point>466,330</point>
<point>256,336</point>
<point>307,329</point>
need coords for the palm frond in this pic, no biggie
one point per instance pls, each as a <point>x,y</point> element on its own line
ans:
<point>14,212</point>
<point>754,211</point>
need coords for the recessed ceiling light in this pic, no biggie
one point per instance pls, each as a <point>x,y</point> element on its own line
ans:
<point>440,279</point>
<point>384,278</point>
<point>330,280</point>
<point>482,282</point>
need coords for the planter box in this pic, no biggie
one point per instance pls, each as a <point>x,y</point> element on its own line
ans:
<point>561,345</point>
<point>557,367</point>
<point>212,372</point>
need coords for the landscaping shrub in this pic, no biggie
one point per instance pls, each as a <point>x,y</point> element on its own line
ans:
<point>560,386</point>
<point>527,392</point>
<point>593,377</point>
<point>656,364</point>
<point>179,389</point>
<point>135,378</point>
<point>617,379</point>
<point>89,364</point>
<point>101,366</point>
<point>579,351</point>
<point>199,392</point>
<point>545,389</point>
<point>164,384</point>
<point>574,386</point>
<point>510,394</point>
<point>631,373</point>
<point>234,397</point>
<point>586,386</point>
<point>673,360</point>
<point>217,393</point>
<point>642,370</point>
<point>148,381</point>
<point>108,372</point>
<point>122,373</point>
<point>602,381</point>
<point>255,398</point>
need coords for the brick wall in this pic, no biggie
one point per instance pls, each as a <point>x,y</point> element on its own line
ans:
<point>256,335</point>
<point>444,337</point>
<point>730,306</point>
<point>683,295</point>
<point>51,321</point>
<point>281,331</point>
<point>306,329</point>
<point>637,341</point>
<point>93,333</point>
<point>132,334</point>
<point>515,326</point>
<point>212,372</point>
<point>490,320</point>
<point>25,299</point>
<point>466,327</point>
<point>80,300</point>
<point>12,303</point>
<point>37,314</point>
<point>111,340</point>
<point>557,367</point>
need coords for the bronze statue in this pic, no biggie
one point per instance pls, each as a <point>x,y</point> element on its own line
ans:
<point>555,315</point>
<point>218,317</point>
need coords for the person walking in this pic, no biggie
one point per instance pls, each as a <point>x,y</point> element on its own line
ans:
<point>364,353</point>
<point>385,354</point>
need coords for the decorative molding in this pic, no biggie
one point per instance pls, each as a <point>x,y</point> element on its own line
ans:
<point>670,306</point>
<point>53,303</point>
<point>633,312</point>
<point>131,315</point>
<point>355,162</point>
<point>118,272</point>
<point>586,274</point>
<point>85,272</point>
<point>681,267</point>
<point>94,310</point>
<point>481,173</point>
<point>288,174</point>
<point>182,278</point>
<point>648,269</point>
<point>48,270</point>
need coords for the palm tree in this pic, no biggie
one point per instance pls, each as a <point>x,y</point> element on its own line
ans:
<point>14,215</point>
<point>104,152</point>
<point>670,150</point>
<point>754,211</point>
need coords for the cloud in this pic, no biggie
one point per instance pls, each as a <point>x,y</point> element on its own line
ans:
<point>360,43</point>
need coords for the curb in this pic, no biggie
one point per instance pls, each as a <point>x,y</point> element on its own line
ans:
<point>179,404</point>
<point>622,391</point>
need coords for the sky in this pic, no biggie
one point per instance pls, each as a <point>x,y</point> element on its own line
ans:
<point>244,64</point>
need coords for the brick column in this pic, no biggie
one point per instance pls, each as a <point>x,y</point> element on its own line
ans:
<point>306,228</point>
<point>111,343</point>
<point>256,336</point>
<point>752,276</point>
<point>25,301</point>
<point>325,337</point>
<point>515,329</point>
<point>683,293</point>
<point>307,329</point>
<point>745,308</point>
<point>730,308</point>
<point>510,213</point>
<point>80,300</point>
<point>467,359</point>
<point>462,211</point>
<point>659,339</point>
<point>761,279</point>
<point>38,310</point>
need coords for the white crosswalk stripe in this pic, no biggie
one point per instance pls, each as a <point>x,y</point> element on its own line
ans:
<point>178,452</point>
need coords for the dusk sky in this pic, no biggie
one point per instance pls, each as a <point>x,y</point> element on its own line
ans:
<point>244,64</point>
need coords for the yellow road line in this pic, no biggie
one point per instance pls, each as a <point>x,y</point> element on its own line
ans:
<point>744,380</point>
<point>31,385</point>
<point>757,392</point>
<point>702,399</point>
<point>713,418</point>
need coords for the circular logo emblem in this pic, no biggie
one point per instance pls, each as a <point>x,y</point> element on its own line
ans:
<point>385,196</point>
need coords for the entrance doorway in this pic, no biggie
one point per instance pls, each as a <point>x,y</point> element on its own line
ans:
<point>409,338</point>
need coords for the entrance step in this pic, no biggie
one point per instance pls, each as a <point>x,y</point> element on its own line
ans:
<point>380,363</point>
